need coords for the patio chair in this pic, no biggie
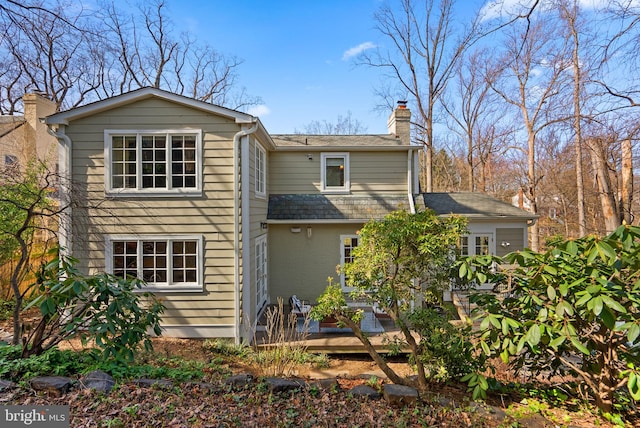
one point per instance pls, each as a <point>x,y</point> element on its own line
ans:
<point>299,307</point>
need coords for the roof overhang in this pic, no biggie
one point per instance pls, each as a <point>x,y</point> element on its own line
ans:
<point>346,148</point>
<point>65,117</point>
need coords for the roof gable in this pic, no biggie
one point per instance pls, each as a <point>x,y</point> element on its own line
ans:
<point>63,118</point>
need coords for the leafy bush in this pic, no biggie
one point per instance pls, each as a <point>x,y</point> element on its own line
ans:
<point>401,262</point>
<point>54,362</point>
<point>571,310</point>
<point>447,353</point>
<point>101,308</point>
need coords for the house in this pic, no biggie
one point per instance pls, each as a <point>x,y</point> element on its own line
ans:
<point>219,217</point>
<point>25,137</point>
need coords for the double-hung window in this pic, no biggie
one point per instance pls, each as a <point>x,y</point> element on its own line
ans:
<point>153,162</point>
<point>165,263</point>
<point>260,171</point>
<point>335,172</point>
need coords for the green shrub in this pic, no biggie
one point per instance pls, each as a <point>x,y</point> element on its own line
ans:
<point>101,308</point>
<point>446,351</point>
<point>53,362</point>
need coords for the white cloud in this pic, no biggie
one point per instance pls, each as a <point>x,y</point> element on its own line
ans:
<point>259,111</point>
<point>357,50</point>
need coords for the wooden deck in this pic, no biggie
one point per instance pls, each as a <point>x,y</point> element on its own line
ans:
<point>332,340</point>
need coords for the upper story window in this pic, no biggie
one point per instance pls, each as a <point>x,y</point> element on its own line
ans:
<point>165,263</point>
<point>260,171</point>
<point>10,160</point>
<point>335,172</point>
<point>153,162</point>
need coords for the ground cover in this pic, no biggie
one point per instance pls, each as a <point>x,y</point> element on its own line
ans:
<point>199,397</point>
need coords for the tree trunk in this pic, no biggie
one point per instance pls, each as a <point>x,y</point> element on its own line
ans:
<point>627,181</point>
<point>582,221</point>
<point>603,185</point>
<point>377,358</point>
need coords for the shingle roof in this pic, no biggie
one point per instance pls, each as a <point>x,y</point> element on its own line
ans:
<point>305,141</point>
<point>472,205</point>
<point>333,207</point>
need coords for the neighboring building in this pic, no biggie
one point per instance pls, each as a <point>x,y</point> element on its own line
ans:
<point>24,138</point>
<point>218,216</point>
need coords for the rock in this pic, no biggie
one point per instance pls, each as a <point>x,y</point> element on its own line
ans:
<point>364,391</point>
<point>239,381</point>
<point>400,395</point>
<point>148,383</point>
<point>535,420</point>
<point>6,385</point>
<point>490,412</point>
<point>277,384</point>
<point>54,385</point>
<point>98,380</point>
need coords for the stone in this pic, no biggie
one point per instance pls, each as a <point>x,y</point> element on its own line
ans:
<point>148,383</point>
<point>490,412</point>
<point>54,385</point>
<point>277,384</point>
<point>364,391</point>
<point>400,395</point>
<point>535,420</point>
<point>239,381</point>
<point>6,385</point>
<point>98,380</point>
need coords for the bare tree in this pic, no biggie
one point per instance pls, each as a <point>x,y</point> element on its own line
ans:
<point>344,125</point>
<point>148,53</point>
<point>476,116</point>
<point>49,49</point>
<point>532,77</point>
<point>426,52</point>
<point>75,56</point>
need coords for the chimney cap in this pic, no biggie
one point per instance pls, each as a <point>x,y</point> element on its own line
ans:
<point>402,104</point>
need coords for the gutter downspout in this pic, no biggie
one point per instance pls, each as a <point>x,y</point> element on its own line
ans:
<point>410,163</point>
<point>237,140</point>
<point>64,160</point>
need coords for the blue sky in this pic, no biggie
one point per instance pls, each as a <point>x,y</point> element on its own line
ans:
<point>296,53</point>
<point>295,56</point>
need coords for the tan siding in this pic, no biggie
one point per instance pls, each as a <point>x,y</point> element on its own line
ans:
<point>293,173</point>
<point>370,172</point>
<point>210,216</point>
<point>514,236</point>
<point>378,172</point>
<point>299,265</point>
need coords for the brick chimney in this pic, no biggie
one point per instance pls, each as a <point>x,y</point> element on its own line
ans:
<point>36,107</point>
<point>399,123</point>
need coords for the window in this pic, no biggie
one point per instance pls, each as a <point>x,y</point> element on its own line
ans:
<point>347,244</point>
<point>164,263</point>
<point>261,272</point>
<point>476,245</point>
<point>10,160</point>
<point>260,171</point>
<point>152,162</point>
<point>335,172</point>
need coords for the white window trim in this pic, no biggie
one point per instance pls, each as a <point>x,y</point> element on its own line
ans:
<point>151,192</point>
<point>471,245</point>
<point>261,248</point>
<point>323,171</point>
<point>342,261</point>
<point>198,286</point>
<point>260,174</point>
